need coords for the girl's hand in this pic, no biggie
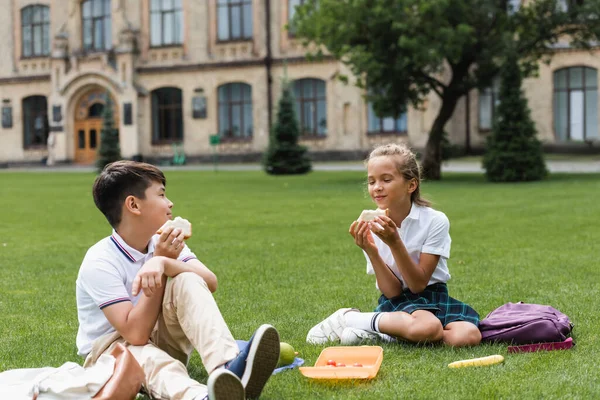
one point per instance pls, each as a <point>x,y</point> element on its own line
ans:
<point>170,243</point>
<point>362,237</point>
<point>387,230</point>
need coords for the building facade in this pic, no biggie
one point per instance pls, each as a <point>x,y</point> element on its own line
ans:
<point>182,71</point>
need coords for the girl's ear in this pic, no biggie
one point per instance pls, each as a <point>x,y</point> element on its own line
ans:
<point>413,184</point>
<point>132,205</point>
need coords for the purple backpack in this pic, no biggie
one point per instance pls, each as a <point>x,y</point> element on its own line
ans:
<point>522,323</point>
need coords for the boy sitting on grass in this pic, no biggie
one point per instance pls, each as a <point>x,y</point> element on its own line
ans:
<point>173,316</point>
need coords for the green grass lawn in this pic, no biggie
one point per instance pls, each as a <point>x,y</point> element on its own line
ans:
<point>281,250</point>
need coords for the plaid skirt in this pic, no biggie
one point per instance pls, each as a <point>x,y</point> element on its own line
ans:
<point>435,299</point>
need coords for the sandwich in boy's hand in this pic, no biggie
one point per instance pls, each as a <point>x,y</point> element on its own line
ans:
<point>370,215</point>
<point>178,222</point>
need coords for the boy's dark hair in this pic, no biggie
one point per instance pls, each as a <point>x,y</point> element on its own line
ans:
<point>119,180</point>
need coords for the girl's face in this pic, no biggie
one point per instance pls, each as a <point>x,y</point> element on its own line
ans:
<point>387,187</point>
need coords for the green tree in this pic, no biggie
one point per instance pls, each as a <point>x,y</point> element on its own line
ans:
<point>284,155</point>
<point>513,151</point>
<point>405,49</point>
<point>109,149</point>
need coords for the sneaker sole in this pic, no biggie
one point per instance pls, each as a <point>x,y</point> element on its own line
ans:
<point>227,386</point>
<point>262,360</point>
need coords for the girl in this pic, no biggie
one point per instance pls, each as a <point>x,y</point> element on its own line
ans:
<point>408,253</point>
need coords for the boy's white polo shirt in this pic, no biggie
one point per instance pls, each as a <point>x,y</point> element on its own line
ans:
<point>106,277</point>
<point>424,230</point>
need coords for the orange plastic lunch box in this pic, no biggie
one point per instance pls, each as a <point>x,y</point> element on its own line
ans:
<point>368,359</point>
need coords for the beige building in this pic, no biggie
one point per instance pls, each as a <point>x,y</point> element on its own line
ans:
<point>180,71</point>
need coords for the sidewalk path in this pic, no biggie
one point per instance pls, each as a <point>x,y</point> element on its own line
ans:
<point>450,166</point>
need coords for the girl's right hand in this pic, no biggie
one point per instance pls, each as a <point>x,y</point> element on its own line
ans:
<point>362,237</point>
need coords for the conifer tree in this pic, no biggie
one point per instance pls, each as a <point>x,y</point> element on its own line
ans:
<point>110,149</point>
<point>513,152</point>
<point>284,155</point>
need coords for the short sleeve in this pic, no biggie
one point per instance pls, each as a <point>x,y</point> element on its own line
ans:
<point>186,254</point>
<point>103,283</point>
<point>438,237</point>
<point>370,270</point>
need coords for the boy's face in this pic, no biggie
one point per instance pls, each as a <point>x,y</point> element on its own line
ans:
<point>156,208</point>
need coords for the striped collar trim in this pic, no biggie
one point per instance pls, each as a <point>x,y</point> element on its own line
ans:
<point>129,252</point>
<point>122,249</point>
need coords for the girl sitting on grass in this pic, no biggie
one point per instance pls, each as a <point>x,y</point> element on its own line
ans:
<point>408,252</point>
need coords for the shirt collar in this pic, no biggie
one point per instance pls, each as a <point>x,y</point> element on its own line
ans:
<point>415,211</point>
<point>129,252</point>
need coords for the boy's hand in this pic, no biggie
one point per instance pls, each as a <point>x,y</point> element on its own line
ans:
<point>149,277</point>
<point>387,230</point>
<point>362,237</point>
<point>170,243</point>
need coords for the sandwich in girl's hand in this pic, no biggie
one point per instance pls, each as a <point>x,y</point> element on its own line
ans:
<point>178,222</point>
<point>370,215</point>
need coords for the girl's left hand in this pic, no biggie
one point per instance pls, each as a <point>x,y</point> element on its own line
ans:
<point>387,230</point>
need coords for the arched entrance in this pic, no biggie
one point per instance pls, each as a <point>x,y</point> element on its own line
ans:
<point>88,124</point>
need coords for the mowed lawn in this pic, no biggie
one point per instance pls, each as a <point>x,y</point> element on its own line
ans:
<point>281,249</point>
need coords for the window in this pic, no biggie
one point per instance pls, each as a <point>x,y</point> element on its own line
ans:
<point>166,27</point>
<point>95,110</point>
<point>96,25</point>
<point>235,110</point>
<point>35,27</point>
<point>35,121</point>
<point>292,4</point>
<point>488,101</point>
<point>576,104</point>
<point>513,6</point>
<point>167,115</point>
<point>311,106</point>
<point>386,124</point>
<point>234,19</point>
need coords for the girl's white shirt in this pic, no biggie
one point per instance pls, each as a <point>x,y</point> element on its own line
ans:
<point>424,230</point>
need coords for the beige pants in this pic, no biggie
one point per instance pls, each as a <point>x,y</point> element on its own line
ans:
<point>189,319</point>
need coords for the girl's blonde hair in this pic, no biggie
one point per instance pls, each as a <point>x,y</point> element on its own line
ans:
<point>406,164</point>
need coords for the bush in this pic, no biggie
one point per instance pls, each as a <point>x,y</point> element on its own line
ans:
<point>110,149</point>
<point>513,152</point>
<point>284,156</point>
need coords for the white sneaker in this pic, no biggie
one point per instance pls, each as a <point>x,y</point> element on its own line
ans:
<point>330,329</point>
<point>353,336</point>
<point>225,385</point>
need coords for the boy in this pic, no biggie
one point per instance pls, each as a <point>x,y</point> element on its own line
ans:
<point>172,317</point>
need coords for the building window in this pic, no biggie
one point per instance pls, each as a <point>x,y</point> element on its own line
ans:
<point>311,106</point>
<point>292,4</point>
<point>167,115</point>
<point>96,25</point>
<point>488,101</point>
<point>35,121</point>
<point>386,124</point>
<point>234,19</point>
<point>235,110</point>
<point>35,27</point>
<point>166,27</point>
<point>576,104</point>
<point>513,6</point>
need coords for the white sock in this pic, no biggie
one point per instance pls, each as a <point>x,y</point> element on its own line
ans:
<point>367,321</point>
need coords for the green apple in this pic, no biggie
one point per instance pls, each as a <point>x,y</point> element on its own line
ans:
<point>286,354</point>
